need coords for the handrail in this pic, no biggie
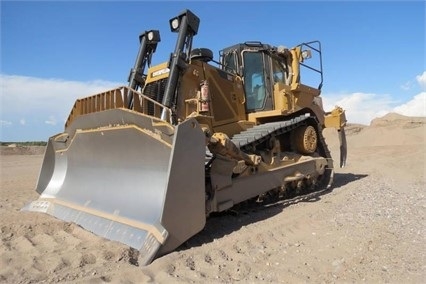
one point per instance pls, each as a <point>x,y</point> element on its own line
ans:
<point>318,51</point>
<point>117,98</point>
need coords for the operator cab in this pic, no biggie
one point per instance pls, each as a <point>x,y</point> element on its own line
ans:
<point>254,62</point>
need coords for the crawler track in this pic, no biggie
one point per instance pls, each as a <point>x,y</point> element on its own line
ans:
<point>252,138</point>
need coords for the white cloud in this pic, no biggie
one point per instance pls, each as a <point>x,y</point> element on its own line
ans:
<point>21,94</point>
<point>360,107</point>
<point>421,79</point>
<point>407,86</point>
<point>32,98</point>
<point>51,120</point>
<point>363,107</point>
<point>5,123</point>
<point>415,107</point>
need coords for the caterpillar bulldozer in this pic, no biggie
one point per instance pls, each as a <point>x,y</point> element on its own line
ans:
<point>146,164</point>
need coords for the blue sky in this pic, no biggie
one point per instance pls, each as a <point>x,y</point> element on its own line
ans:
<point>53,52</point>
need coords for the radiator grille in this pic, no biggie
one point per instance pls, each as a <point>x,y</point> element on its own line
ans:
<point>155,91</point>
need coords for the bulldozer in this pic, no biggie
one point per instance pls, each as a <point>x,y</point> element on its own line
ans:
<point>146,164</point>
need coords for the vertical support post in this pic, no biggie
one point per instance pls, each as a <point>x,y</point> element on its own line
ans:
<point>148,44</point>
<point>186,24</point>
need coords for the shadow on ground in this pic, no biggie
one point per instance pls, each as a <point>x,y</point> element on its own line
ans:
<point>222,224</point>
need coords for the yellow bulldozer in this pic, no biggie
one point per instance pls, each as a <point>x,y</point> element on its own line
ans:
<point>146,164</point>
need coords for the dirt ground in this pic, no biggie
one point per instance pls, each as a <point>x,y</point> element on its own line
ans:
<point>370,227</point>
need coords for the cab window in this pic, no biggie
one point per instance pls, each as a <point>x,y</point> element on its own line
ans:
<point>254,80</point>
<point>229,63</point>
<point>280,73</point>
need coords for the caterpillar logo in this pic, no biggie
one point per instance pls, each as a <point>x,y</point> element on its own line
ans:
<point>160,72</point>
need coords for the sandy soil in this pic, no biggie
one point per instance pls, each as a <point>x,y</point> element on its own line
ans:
<point>370,227</point>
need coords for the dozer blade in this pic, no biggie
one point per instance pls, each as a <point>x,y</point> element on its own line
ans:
<point>138,181</point>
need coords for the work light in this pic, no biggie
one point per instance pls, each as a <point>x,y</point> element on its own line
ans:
<point>174,24</point>
<point>152,36</point>
<point>185,20</point>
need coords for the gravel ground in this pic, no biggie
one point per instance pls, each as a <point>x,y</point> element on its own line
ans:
<point>369,228</point>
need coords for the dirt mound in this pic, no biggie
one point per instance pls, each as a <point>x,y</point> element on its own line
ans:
<point>398,120</point>
<point>391,130</point>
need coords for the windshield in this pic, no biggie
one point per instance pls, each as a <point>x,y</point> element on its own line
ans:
<point>254,80</point>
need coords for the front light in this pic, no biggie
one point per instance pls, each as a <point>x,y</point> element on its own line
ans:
<point>174,24</point>
<point>150,36</point>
